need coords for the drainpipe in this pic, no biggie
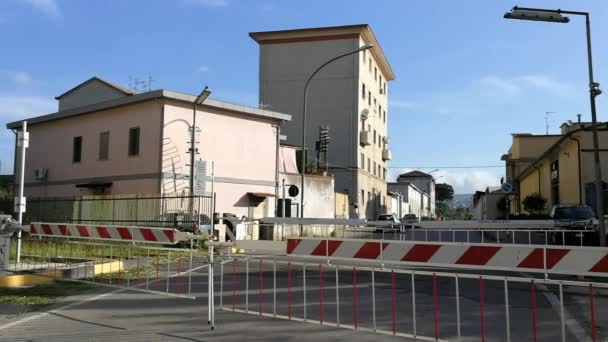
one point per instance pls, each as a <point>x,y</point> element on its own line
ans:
<point>580,184</point>
<point>276,173</point>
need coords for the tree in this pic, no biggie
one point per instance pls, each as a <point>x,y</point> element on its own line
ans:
<point>444,192</point>
<point>534,204</point>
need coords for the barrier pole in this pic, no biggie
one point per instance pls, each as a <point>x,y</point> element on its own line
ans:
<point>304,288</point>
<point>355,297</point>
<point>147,273</point>
<point>337,299</point>
<point>111,263</point>
<point>456,282</point>
<point>561,308</point>
<point>190,272</point>
<point>483,334</point>
<point>374,299</point>
<point>169,269</point>
<point>591,308</point>
<point>393,304</point>
<point>507,310</point>
<point>435,308</point>
<point>274,288</point>
<point>414,304</point>
<point>289,290</point>
<point>247,286</point>
<point>126,271</point>
<point>533,299</point>
<point>261,281</point>
<point>157,266</point>
<point>233,284</point>
<point>321,293</point>
<point>179,272</point>
<point>138,257</point>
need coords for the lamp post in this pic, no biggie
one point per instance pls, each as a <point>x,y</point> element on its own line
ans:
<point>555,16</point>
<point>303,161</point>
<point>199,100</point>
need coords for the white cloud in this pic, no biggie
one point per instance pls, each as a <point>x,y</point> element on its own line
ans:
<point>516,85</point>
<point>508,87</point>
<point>203,68</point>
<point>13,107</point>
<point>464,181</point>
<point>21,78</point>
<point>401,104</point>
<point>49,7</point>
<point>209,3</point>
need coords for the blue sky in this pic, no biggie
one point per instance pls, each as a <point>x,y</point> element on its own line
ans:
<point>466,78</point>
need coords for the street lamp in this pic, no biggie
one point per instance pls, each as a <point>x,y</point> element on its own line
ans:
<point>555,16</point>
<point>199,100</point>
<point>303,161</point>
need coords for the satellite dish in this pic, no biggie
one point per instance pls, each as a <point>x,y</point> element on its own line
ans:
<point>364,114</point>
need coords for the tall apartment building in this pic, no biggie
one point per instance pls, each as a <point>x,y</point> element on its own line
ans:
<point>349,96</point>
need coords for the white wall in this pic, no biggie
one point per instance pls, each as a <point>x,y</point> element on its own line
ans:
<point>319,196</point>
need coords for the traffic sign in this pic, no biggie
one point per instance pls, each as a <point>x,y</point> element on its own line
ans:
<point>506,187</point>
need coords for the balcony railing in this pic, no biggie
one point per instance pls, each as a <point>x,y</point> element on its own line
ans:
<point>386,154</point>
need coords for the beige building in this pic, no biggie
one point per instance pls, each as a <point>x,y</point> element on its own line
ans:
<point>559,167</point>
<point>105,139</point>
<point>349,96</point>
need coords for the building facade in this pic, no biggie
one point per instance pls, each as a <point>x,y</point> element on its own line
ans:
<point>349,97</point>
<point>563,172</point>
<point>426,183</point>
<point>104,140</point>
<point>413,200</point>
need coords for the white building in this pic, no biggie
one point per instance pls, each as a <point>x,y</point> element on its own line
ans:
<point>413,199</point>
<point>349,96</point>
<point>486,204</point>
<point>426,183</point>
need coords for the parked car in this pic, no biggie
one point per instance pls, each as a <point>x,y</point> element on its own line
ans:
<point>392,218</point>
<point>410,219</point>
<point>574,217</point>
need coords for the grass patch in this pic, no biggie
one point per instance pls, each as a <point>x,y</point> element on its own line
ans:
<point>42,295</point>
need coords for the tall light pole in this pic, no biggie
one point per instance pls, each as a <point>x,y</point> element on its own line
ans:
<point>303,161</point>
<point>199,100</point>
<point>555,16</point>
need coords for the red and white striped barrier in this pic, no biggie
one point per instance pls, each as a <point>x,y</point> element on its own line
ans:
<point>558,260</point>
<point>110,233</point>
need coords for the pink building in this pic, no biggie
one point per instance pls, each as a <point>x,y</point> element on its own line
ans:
<point>108,140</point>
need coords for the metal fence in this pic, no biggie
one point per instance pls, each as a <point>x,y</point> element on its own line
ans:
<point>426,305</point>
<point>278,232</point>
<point>182,212</point>
<point>139,267</point>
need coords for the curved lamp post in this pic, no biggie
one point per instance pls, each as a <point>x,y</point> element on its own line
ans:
<point>555,16</point>
<point>303,161</point>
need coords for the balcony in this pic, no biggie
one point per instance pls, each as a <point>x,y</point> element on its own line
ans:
<point>386,154</point>
<point>364,138</point>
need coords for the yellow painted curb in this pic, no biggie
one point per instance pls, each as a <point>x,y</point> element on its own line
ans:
<point>20,280</point>
<point>108,267</point>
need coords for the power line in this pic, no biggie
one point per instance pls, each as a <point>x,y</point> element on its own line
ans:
<point>447,167</point>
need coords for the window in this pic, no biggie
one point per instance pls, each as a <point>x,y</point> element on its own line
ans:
<point>134,141</point>
<point>370,65</point>
<point>384,88</point>
<point>375,74</point>
<point>380,109</point>
<point>380,78</point>
<point>379,140</point>
<point>374,103</point>
<point>362,161</point>
<point>374,168</point>
<point>77,150</point>
<point>104,145</point>
<point>379,170</point>
<point>384,114</point>
<point>364,56</point>
<point>374,136</point>
<point>362,197</point>
<point>369,98</point>
<point>363,92</point>
<point>369,168</point>
<point>384,174</point>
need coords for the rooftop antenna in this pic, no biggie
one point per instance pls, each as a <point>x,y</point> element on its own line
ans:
<point>547,114</point>
<point>150,80</point>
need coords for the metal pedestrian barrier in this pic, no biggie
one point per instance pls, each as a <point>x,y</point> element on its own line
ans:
<point>423,304</point>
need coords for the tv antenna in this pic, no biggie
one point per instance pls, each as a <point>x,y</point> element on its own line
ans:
<point>547,115</point>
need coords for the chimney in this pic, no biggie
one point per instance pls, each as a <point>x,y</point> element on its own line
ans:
<point>579,118</point>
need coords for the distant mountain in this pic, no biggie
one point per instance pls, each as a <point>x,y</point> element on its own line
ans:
<point>463,200</point>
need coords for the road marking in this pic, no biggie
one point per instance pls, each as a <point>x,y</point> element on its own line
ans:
<point>42,314</point>
<point>573,325</point>
<point>86,300</point>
